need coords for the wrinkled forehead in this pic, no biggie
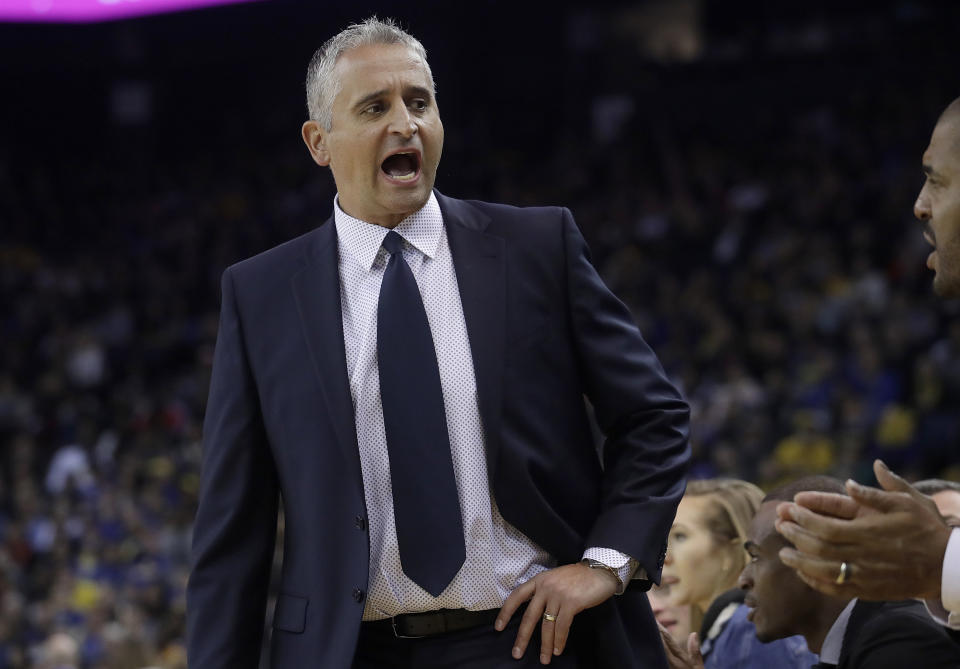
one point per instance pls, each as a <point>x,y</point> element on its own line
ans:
<point>371,64</point>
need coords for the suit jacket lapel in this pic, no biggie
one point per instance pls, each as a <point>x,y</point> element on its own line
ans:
<point>316,288</point>
<point>479,259</point>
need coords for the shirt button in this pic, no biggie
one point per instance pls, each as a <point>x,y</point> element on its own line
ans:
<point>360,522</point>
<point>358,595</point>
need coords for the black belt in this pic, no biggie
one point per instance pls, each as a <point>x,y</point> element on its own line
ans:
<point>430,623</point>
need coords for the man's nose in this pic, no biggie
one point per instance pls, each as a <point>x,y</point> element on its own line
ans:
<point>402,123</point>
<point>744,580</point>
<point>921,208</point>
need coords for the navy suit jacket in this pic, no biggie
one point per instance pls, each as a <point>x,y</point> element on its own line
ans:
<point>544,332</point>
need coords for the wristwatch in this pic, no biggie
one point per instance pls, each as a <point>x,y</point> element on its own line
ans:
<point>596,564</point>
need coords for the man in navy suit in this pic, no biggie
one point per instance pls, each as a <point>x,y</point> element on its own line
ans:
<point>410,378</point>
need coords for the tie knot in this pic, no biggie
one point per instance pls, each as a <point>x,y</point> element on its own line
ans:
<point>393,242</point>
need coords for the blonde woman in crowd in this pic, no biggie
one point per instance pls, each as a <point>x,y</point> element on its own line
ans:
<point>705,555</point>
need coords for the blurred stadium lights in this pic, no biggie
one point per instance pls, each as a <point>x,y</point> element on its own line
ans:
<point>659,30</point>
<point>92,11</point>
<point>664,30</point>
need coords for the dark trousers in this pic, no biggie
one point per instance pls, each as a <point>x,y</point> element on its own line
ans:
<point>480,647</point>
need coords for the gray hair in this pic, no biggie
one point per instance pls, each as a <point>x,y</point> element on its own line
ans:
<point>323,86</point>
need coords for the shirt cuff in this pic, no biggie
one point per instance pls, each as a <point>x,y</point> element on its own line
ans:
<point>950,584</point>
<point>941,615</point>
<point>625,566</point>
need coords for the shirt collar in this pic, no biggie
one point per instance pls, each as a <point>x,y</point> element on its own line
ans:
<point>422,229</point>
<point>833,642</point>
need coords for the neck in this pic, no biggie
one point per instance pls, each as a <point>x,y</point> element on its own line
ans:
<point>383,219</point>
<point>699,610</point>
<point>822,620</point>
<point>696,618</point>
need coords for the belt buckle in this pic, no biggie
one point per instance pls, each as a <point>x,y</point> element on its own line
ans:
<point>393,625</point>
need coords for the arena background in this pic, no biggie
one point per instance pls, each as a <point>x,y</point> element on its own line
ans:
<point>745,172</point>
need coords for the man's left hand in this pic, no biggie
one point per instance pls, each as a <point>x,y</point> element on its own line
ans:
<point>892,539</point>
<point>562,592</point>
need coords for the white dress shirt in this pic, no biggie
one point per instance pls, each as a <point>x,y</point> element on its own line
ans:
<point>946,610</point>
<point>499,557</point>
<point>833,642</point>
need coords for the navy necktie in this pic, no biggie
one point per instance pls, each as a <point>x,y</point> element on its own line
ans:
<point>425,502</point>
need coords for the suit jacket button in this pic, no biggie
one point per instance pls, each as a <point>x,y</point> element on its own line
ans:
<point>358,595</point>
<point>360,522</point>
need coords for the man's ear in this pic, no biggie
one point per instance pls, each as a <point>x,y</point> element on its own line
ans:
<point>314,136</point>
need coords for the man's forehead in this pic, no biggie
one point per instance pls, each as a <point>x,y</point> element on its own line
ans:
<point>762,524</point>
<point>948,502</point>
<point>371,60</point>
<point>943,152</point>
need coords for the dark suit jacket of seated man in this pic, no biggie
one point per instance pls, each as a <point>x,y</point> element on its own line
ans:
<point>286,419</point>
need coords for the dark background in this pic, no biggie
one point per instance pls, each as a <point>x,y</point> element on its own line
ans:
<point>744,171</point>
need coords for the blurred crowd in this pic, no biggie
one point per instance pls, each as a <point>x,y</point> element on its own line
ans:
<point>764,243</point>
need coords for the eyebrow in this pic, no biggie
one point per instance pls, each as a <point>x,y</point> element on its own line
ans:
<point>376,95</point>
<point>370,97</point>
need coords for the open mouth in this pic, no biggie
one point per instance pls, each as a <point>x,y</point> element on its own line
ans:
<point>402,166</point>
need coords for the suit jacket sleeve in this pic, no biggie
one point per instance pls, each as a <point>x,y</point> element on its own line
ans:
<point>645,419</point>
<point>235,525</point>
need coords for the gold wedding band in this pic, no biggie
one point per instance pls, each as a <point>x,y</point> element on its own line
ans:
<point>844,573</point>
<point>549,617</point>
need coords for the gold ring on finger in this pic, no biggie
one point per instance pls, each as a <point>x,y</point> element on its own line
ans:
<point>549,617</point>
<point>844,573</point>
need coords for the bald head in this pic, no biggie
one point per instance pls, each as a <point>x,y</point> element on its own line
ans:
<point>949,124</point>
<point>952,112</point>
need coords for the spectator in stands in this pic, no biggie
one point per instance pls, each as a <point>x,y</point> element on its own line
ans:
<point>60,652</point>
<point>848,633</point>
<point>946,495</point>
<point>704,557</point>
<point>674,618</point>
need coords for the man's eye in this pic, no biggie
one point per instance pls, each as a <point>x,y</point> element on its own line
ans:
<point>679,536</point>
<point>374,109</point>
<point>419,104</point>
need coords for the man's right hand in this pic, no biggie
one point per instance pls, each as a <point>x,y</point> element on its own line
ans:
<point>893,540</point>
